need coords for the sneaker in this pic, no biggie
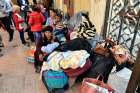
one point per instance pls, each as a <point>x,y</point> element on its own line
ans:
<point>24,43</point>
<point>10,39</point>
<point>28,38</point>
<point>1,45</point>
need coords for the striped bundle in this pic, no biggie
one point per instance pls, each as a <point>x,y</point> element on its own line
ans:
<point>86,29</point>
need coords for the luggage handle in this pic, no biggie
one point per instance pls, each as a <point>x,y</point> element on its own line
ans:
<point>98,77</point>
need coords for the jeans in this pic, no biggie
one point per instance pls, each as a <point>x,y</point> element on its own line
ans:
<point>38,40</point>
<point>37,62</point>
<point>10,17</point>
<point>38,43</point>
<point>22,37</point>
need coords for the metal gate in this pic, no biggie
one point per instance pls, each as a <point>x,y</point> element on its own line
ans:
<point>123,24</point>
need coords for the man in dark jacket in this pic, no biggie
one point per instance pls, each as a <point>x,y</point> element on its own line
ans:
<point>24,5</point>
<point>22,2</point>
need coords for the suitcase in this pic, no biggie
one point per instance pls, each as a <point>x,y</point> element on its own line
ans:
<point>53,90</point>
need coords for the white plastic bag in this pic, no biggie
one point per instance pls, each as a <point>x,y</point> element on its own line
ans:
<point>119,80</point>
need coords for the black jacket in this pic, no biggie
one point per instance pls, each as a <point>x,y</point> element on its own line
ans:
<point>21,3</point>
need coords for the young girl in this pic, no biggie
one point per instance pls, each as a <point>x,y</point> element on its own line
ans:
<point>19,23</point>
<point>51,20</point>
<point>60,29</point>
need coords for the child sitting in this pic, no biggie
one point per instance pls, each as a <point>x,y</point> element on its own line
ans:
<point>19,23</point>
<point>60,29</point>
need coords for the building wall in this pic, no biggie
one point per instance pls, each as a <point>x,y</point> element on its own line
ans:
<point>57,3</point>
<point>97,13</point>
<point>96,9</point>
<point>15,1</point>
<point>82,5</point>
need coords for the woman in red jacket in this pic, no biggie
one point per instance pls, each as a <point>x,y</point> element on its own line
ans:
<point>36,20</point>
<point>19,23</point>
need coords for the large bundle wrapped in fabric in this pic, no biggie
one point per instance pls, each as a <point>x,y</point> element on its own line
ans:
<point>81,23</point>
<point>63,60</point>
<point>76,72</point>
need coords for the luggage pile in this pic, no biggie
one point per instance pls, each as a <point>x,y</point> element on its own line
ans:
<point>76,59</point>
<point>60,66</point>
<point>84,57</point>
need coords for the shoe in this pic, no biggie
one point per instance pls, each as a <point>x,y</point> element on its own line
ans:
<point>10,39</point>
<point>28,38</point>
<point>1,45</point>
<point>24,43</point>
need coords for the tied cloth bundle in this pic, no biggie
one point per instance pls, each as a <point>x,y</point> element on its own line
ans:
<point>120,53</point>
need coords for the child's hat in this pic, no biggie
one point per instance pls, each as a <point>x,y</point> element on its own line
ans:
<point>48,28</point>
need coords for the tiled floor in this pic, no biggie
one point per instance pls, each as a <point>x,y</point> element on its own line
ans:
<point>18,76</point>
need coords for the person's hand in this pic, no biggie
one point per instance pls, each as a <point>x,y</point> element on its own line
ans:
<point>4,12</point>
<point>53,38</point>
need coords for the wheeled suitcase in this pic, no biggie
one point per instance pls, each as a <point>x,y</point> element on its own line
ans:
<point>52,90</point>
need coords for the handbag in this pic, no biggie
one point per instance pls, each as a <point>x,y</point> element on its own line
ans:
<point>91,85</point>
<point>76,72</point>
<point>100,50</point>
<point>55,79</point>
<point>102,47</point>
<point>120,53</point>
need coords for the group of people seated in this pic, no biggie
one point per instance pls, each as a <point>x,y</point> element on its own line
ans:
<point>44,29</point>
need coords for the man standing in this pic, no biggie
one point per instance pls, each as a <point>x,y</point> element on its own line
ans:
<point>24,5</point>
<point>5,18</point>
<point>10,9</point>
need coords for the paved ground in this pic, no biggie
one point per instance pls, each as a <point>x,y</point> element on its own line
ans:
<point>16,75</point>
